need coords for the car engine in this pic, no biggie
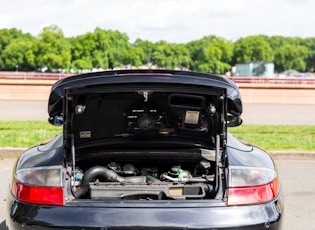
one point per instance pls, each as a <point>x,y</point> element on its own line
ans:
<point>128,182</point>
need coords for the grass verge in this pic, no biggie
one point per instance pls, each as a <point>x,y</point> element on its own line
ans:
<point>269,137</point>
<point>25,133</point>
<point>278,137</point>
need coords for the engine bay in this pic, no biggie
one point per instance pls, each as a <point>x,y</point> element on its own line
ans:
<point>179,133</point>
<point>152,180</point>
<point>195,118</point>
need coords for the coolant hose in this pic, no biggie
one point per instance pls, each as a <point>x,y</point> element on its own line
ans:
<point>185,179</point>
<point>101,172</point>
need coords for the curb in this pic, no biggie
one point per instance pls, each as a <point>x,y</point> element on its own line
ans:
<point>292,155</point>
<point>9,152</point>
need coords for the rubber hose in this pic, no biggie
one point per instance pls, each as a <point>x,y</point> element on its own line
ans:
<point>99,171</point>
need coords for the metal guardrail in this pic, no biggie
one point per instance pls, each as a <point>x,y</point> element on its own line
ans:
<point>33,75</point>
<point>268,80</point>
<point>261,80</point>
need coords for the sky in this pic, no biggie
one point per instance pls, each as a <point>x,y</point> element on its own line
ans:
<point>175,21</point>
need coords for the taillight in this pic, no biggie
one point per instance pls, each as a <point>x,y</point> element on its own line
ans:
<point>40,185</point>
<point>251,185</point>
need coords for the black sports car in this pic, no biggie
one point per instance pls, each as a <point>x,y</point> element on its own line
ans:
<point>144,149</point>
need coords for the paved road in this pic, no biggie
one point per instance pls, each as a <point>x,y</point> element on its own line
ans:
<point>23,110</point>
<point>281,114</point>
<point>297,178</point>
<point>5,174</point>
<point>253,113</point>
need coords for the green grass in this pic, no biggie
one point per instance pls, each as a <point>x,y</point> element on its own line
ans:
<point>25,133</point>
<point>278,137</point>
<point>269,137</point>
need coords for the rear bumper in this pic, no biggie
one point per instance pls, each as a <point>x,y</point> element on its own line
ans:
<point>141,216</point>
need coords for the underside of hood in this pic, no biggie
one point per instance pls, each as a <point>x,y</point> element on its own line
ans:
<point>144,115</point>
<point>144,108</point>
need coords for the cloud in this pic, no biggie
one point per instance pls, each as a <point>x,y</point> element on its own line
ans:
<point>170,20</point>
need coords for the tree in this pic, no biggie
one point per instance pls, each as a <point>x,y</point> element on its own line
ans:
<point>101,49</point>
<point>7,35</point>
<point>182,56</point>
<point>277,41</point>
<point>53,49</point>
<point>20,53</point>
<point>252,48</point>
<point>163,55</point>
<point>170,56</point>
<point>148,50</point>
<point>119,44</point>
<point>109,49</point>
<point>310,60</point>
<point>6,38</point>
<point>82,48</point>
<point>133,56</point>
<point>211,54</point>
<point>290,56</point>
<point>218,55</point>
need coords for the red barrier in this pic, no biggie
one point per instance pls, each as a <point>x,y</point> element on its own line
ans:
<point>268,80</point>
<point>263,80</point>
<point>33,75</point>
<point>252,93</point>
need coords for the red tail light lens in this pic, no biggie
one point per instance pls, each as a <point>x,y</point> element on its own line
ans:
<point>39,185</point>
<point>253,195</point>
<point>38,195</point>
<point>251,185</point>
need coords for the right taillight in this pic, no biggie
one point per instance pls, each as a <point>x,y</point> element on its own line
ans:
<point>39,185</point>
<point>251,185</point>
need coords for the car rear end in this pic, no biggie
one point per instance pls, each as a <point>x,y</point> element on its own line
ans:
<point>143,151</point>
<point>251,209</point>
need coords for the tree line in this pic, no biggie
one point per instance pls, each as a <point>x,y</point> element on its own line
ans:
<point>108,49</point>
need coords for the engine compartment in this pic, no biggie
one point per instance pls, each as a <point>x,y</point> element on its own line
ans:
<point>148,115</point>
<point>158,142</point>
<point>150,179</point>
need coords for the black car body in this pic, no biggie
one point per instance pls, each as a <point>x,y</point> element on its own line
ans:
<point>144,149</point>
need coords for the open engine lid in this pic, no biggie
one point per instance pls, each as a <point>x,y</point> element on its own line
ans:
<point>178,77</point>
<point>144,109</point>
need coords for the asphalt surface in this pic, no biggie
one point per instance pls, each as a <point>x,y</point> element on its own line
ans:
<point>296,176</point>
<point>278,114</point>
<point>283,114</point>
<point>23,110</point>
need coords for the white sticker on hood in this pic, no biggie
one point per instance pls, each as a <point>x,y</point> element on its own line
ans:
<point>85,134</point>
<point>192,117</point>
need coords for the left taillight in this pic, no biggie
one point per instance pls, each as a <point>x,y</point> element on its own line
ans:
<point>251,185</point>
<point>40,185</point>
